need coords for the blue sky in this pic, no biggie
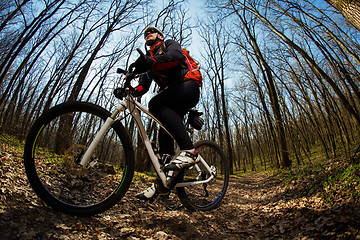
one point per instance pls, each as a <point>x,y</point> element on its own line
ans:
<point>196,11</point>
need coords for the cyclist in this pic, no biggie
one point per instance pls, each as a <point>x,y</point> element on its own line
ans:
<point>165,64</point>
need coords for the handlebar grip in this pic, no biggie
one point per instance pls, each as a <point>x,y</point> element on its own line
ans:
<point>121,71</point>
<point>142,55</point>
<point>130,88</point>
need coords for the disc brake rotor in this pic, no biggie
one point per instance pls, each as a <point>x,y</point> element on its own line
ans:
<point>72,159</point>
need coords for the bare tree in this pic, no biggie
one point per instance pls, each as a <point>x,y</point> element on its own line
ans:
<point>349,8</point>
<point>270,84</point>
<point>217,48</point>
<point>26,35</point>
<point>6,18</point>
<point>120,13</point>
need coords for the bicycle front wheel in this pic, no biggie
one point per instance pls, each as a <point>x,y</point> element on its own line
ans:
<point>205,196</point>
<point>53,150</point>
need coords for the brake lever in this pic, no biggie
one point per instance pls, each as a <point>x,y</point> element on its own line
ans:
<point>128,77</point>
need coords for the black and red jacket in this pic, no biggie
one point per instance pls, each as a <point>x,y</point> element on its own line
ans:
<point>169,67</point>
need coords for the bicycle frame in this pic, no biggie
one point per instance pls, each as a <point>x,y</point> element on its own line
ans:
<point>135,108</point>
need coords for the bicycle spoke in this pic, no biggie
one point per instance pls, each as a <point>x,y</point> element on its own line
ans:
<point>53,152</point>
<point>206,196</point>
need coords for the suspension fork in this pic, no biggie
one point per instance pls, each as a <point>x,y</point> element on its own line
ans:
<point>99,136</point>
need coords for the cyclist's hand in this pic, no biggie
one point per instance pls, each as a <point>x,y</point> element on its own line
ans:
<point>120,93</point>
<point>138,91</point>
<point>142,65</point>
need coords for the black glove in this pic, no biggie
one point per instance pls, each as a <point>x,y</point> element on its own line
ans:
<point>119,93</point>
<point>142,65</point>
<point>138,91</point>
<point>144,84</point>
<point>196,122</point>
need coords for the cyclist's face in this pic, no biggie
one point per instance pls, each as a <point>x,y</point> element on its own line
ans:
<point>151,38</point>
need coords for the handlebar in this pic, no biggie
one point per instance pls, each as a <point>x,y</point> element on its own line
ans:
<point>128,77</point>
<point>121,71</point>
<point>142,55</point>
<point>121,92</point>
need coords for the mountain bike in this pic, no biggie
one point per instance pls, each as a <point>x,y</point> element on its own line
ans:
<point>79,158</point>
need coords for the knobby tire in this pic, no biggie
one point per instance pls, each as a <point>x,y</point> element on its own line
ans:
<point>54,147</point>
<point>205,197</point>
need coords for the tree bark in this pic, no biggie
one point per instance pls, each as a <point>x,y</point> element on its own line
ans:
<point>350,9</point>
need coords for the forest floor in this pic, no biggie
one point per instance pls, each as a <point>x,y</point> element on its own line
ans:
<point>257,206</point>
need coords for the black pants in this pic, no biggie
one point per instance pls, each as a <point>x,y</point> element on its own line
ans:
<point>169,107</point>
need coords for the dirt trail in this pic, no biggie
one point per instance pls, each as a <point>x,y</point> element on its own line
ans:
<point>256,207</point>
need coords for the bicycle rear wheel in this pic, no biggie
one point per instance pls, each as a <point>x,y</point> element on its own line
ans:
<point>206,196</point>
<point>54,147</point>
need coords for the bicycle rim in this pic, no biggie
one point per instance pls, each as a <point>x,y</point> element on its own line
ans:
<point>54,148</point>
<point>206,196</point>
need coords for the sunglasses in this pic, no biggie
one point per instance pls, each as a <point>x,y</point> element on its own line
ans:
<point>150,31</point>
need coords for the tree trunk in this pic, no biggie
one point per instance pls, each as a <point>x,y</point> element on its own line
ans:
<point>318,70</point>
<point>350,9</point>
<point>270,83</point>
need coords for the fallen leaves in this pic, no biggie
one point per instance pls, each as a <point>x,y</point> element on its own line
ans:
<point>255,207</point>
